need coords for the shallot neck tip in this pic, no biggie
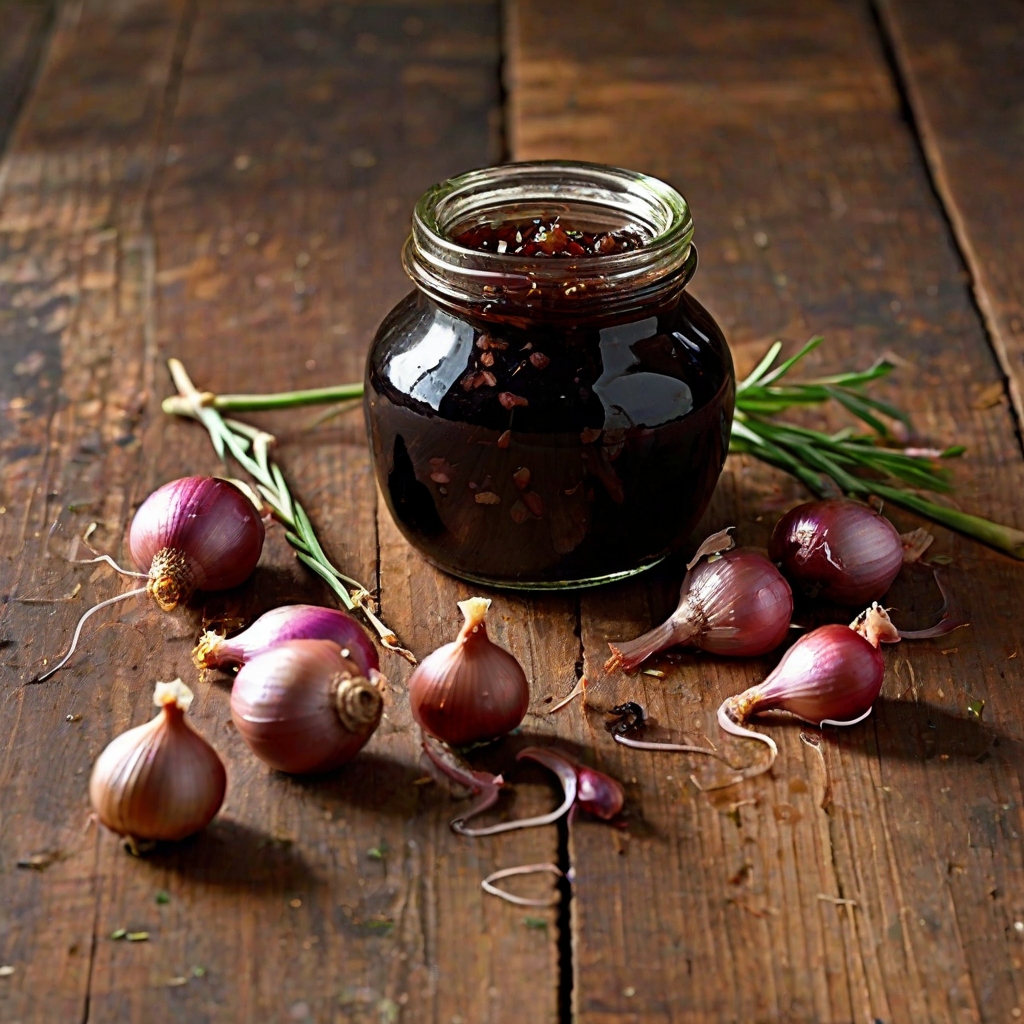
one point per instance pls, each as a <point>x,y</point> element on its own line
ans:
<point>174,693</point>
<point>475,610</point>
<point>875,626</point>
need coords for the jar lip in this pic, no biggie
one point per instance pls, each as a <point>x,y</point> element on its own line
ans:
<point>450,271</point>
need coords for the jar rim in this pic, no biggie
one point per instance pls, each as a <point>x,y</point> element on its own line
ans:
<point>454,274</point>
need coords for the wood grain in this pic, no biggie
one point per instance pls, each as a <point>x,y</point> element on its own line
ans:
<point>236,195</point>
<point>963,84</point>
<point>22,36</point>
<point>813,214</point>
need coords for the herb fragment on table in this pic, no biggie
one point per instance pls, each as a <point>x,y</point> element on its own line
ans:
<point>821,461</point>
<point>250,448</point>
<point>378,852</point>
<point>163,897</point>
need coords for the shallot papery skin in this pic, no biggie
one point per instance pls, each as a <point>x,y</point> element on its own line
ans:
<point>597,793</point>
<point>838,550</point>
<point>470,690</point>
<point>160,780</point>
<point>302,707</point>
<point>736,603</point>
<point>196,533</point>
<point>289,622</point>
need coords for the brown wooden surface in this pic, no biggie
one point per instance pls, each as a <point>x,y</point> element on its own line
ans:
<point>720,907</point>
<point>230,183</point>
<point>963,81</point>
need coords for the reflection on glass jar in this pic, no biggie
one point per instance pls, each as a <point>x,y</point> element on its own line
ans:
<point>549,419</point>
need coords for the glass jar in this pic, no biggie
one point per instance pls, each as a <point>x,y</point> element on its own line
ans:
<point>542,422</point>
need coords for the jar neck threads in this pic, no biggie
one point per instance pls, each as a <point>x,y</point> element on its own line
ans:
<point>587,195</point>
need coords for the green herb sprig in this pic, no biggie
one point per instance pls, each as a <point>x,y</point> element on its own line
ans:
<point>250,448</point>
<point>848,462</point>
<point>856,464</point>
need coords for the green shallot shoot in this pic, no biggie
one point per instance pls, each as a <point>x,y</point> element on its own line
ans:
<point>250,448</point>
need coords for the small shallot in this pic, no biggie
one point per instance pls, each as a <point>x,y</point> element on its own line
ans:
<point>470,690</point>
<point>290,622</point>
<point>831,676</point>
<point>196,533</point>
<point>839,550</point>
<point>302,707</point>
<point>735,603</point>
<point>160,780</point>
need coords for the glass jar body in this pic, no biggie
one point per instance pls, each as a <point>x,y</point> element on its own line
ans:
<point>548,453</point>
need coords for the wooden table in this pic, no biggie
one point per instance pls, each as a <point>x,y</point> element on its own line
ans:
<point>230,183</point>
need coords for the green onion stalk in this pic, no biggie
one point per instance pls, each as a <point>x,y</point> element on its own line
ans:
<point>860,464</point>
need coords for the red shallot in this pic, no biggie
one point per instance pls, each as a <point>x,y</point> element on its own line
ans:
<point>837,549</point>
<point>290,622</point>
<point>736,603</point>
<point>831,676</point>
<point>196,533</point>
<point>302,707</point>
<point>470,690</point>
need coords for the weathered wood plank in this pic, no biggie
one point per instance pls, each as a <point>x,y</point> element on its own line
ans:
<point>300,140</point>
<point>73,269</point>
<point>963,82</point>
<point>813,214</point>
<point>22,35</point>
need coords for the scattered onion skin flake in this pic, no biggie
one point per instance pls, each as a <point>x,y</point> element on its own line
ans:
<point>831,676</point>
<point>838,550</point>
<point>952,617</point>
<point>566,772</point>
<point>630,719</point>
<point>289,622</point>
<point>489,887</point>
<point>597,793</point>
<point>487,787</point>
<point>735,603</point>
<point>196,533</point>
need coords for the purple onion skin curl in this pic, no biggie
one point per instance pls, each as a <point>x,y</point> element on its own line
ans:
<point>831,676</point>
<point>736,604</point>
<point>196,533</point>
<point>597,793</point>
<point>289,622</point>
<point>838,550</point>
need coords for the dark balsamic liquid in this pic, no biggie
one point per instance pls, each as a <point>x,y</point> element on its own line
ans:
<point>548,454</point>
<point>547,236</point>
